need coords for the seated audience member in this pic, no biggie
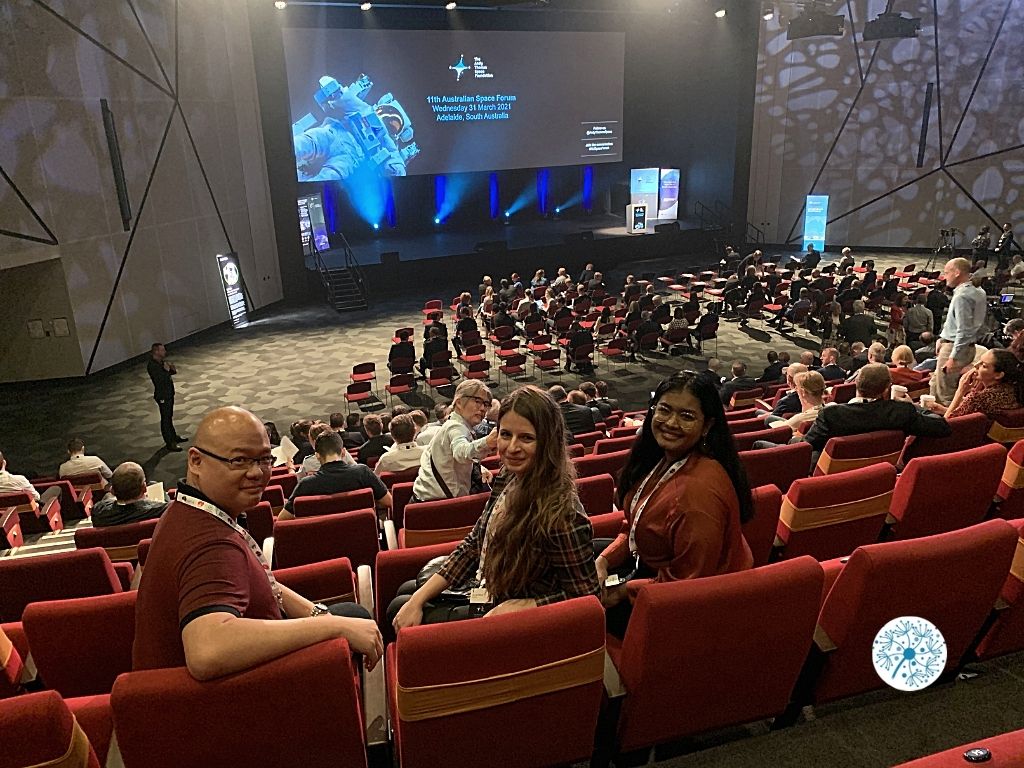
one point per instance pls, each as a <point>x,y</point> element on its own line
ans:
<point>406,452</point>
<point>80,464</point>
<point>419,419</point>
<point>465,325</point>
<point>809,359</point>
<point>1014,330</point>
<point>538,279</point>
<point>858,357</point>
<point>579,337</point>
<point>755,299</point>
<point>684,493</point>
<point>272,434</point>
<point>995,384</point>
<point>489,422</point>
<point>631,290</point>
<point>11,483</point>
<point>678,322</point>
<point>436,321</point>
<point>436,344</point>
<point>918,319</point>
<point>402,350</point>
<point>300,436</point>
<point>602,395</point>
<point>376,441</point>
<point>311,464</point>
<point>534,531</point>
<point>337,422</point>
<point>426,434</point>
<point>714,370</point>
<point>874,354</point>
<point>903,372</point>
<point>647,327</point>
<point>209,601</point>
<point>739,382</point>
<point>127,502</point>
<point>660,312</point>
<point>830,369</point>
<point>579,419</point>
<point>870,411</point>
<point>503,319</point>
<point>353,436</point>
<point>448,464</point>
<point>604,408</point>
<point>773,371</point>
<point>859,326</point>
<point>335,476</point>
<point>810,388</point>
<point>801,304</point>
<point>577,397</point>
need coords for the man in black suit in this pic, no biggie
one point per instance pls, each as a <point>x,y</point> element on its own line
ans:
<point>789,403</point>
<point>377,442</point>
<point>160,372</point>
<point>602,394</point>
<point>589,389</point>
<point>586,275</point>
<point>830,370</point>
<point>858,326</point>
<point>578,418</point>
<point>402,349</point>
<point>870,411</point>
<point>739,381</point>
<point>773,371</point>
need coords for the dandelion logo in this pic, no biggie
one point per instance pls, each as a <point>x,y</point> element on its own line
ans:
<point>459,67</point>
<point>909,653</point>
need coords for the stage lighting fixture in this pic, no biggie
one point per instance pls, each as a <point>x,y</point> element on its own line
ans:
<point>816,21</point>
<point>437,219</point>
<point>280,4</point>
<point>720,13</point>
<point>451,6</point>
<point>889,26</point>
<point>376,225</point>
<point>366,6</point>
<point>768,12</point>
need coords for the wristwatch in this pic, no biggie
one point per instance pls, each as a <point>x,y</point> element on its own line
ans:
<point>319,609</point>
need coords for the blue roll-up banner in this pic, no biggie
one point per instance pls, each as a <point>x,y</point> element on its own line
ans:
<point>643,187</point>
<point>668,194</point>
<point>815,221</point>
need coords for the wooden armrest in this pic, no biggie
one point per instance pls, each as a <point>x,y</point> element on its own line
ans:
<point>46,510</point>
<point>268,550</point>
<point>822,640</point>
<point>136,578</point>
<point>763,405</point>
<point>613,686</point>
<point>375,706</point>
<point>390,534</point>
<point>364,580</point>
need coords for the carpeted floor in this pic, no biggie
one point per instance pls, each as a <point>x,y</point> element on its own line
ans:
<point>292,363</point>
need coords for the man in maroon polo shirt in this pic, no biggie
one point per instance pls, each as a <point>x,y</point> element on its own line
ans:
<point>207,599</point>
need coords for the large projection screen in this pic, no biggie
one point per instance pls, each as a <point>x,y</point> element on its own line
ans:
<point>432,102</point>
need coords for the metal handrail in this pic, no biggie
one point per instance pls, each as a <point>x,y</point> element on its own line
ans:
<point>353,266</point>
<point>751,233</point>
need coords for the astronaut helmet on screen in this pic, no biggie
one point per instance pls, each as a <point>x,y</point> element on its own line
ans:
<point>352,132</point>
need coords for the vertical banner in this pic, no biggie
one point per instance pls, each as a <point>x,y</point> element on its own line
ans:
<point>311,222</point>
<point>643,187</point>
<point>668,194</point>
<point>231,279</point>
<point>815,220</point>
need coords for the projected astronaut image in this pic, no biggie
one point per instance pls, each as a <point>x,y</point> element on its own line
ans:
<point>372,104</point>
<point>351,131</point>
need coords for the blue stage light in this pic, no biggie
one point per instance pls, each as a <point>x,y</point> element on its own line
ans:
<point>558,210</point>
<point>376,225</point>
<point>508,214</point>
<point>437,220</point>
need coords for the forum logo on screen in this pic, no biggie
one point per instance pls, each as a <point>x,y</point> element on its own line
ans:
<point>480,70</point>
<point>459,67</point>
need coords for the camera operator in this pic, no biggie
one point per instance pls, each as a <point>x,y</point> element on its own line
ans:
<point>980,246</point>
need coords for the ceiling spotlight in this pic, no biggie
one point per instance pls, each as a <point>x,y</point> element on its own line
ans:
<point>890,26</point>
<point>815,21</point>
<point>720,13</point>
<point>451,6</point>
<point>366,6</point>
<point>280,4</point>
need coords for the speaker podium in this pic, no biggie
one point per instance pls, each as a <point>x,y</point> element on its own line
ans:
<point>636,219</point>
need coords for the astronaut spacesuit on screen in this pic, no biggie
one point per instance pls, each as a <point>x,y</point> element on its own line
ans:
<point>352,132</point>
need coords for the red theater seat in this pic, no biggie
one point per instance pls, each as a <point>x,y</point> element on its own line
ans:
<point>326,537</point>
<point>855,451</point>
<point>39,729</point>
<point>437,522</point>
<point>1011,486</point>
<point>1006,635</point>
<point>967,432</point>
<point>306,702</point>
<point>80,573</point>
<point>329,504</point>
<point>1005,751</point>
<point>395,567</point>
<point>601,464</point>
<point>779,435</point>
<point>526,691</point>
<point>121,542</point>
<point>778,466</point>
<point>759,531</point>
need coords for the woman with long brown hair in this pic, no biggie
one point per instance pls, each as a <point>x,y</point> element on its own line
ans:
<point>533,543</point>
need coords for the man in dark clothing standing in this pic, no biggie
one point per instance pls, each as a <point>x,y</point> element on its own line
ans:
<point>160,372</point>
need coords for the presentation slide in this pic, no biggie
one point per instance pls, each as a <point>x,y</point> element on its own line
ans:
<point>429,102</point>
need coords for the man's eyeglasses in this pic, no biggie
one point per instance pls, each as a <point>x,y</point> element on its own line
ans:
<point>243,463</point>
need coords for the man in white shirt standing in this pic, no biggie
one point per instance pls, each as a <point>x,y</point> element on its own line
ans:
<point>960,332</point>
<point>406,452</point>
<point>80,464</point>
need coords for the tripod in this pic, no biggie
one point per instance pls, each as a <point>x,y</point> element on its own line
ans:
<point>945,244</point>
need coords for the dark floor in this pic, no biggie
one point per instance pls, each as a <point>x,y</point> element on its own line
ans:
<point>293,363</point>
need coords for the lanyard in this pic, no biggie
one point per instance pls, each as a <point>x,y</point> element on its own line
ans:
<point>637,512</point>
<point>250,542</point>
<point>497,510</point>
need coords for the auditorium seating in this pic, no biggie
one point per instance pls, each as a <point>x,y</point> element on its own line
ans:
<point>754,625</point>
<point>614,444</point>
<point>759,531</point>
<point>1003,751</point>
<point>12,663</point>
<point>393,568</point>
<point>121,542</point>
<point>854,451</point>
<point>401,493</point>
<point>324,537</point>
<point>1010,494</point>
<point>328,582</point>
<point>81,645</point>
<point>75,504</point>
<point>600,464</point>
<point>329,504</point>
<point>935,494</point>
<point>1008,427</point>
<point>908,578</point>
<point>967,432</point>
<point>526,691</point>
<point>302,704</point>
<point>56,736</point>
<point>830,516</point>
<point>403,476</point>
<point>259,521</point>
<point>274,495</point>
<point>79,573</point>
<point>435,522</point>
<point>33,517</point>
<point>1006,634</point>
<point>742,426</point>
<point>745,398</point>
<point>778,466</point>
<point>779,435</point>
<point>597,495</point>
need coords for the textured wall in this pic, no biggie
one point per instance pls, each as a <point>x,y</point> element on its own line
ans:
<point>178,76</point>
<point>843,117</point>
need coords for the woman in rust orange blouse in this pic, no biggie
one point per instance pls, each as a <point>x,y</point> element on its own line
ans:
<point>684,492</point>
